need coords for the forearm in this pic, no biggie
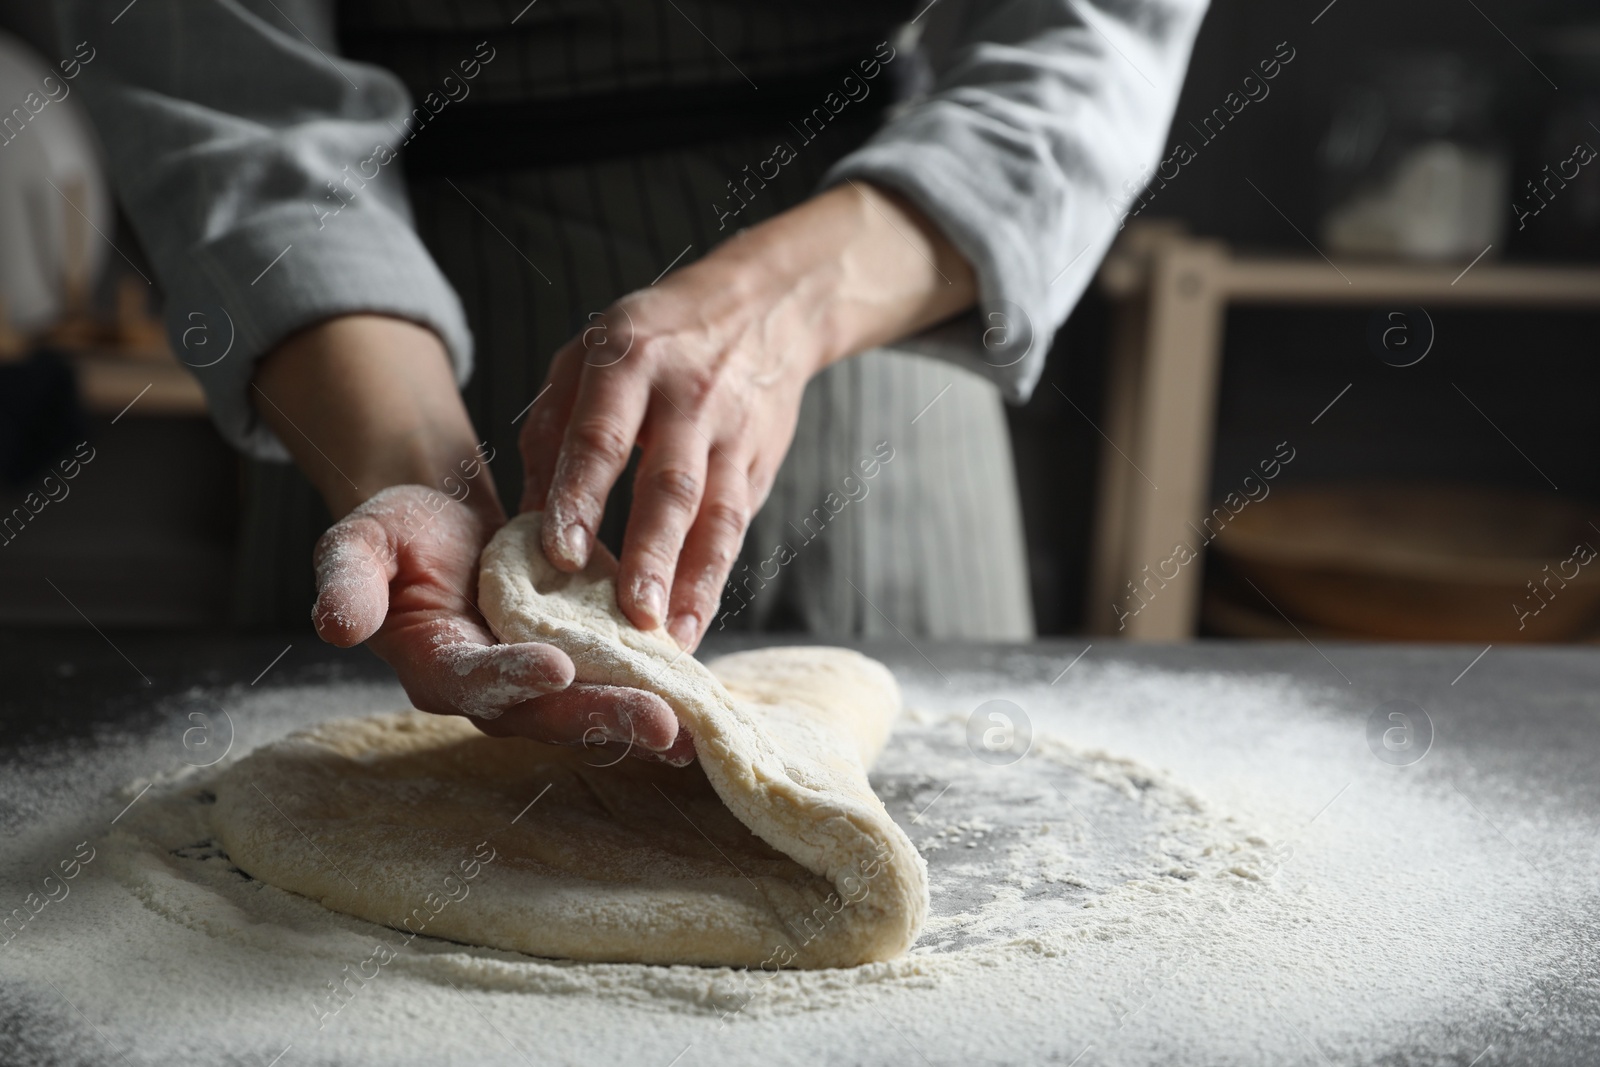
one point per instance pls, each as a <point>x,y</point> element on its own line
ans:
<point>856,266</point>
<point>221,176</point>
<point>364,402</point>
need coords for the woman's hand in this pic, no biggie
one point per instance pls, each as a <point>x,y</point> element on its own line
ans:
<point>367,405</point>
<point>704,371</point>
<point>400,572</point>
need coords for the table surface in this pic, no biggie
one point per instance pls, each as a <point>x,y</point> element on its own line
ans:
<point>119,680</point>
<point>1527,719</point>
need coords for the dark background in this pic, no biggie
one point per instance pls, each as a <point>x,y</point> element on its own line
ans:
<point>168,488</point>
<point>1534,373</point>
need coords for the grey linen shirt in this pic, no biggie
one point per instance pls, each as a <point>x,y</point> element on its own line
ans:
<point>225,120</point>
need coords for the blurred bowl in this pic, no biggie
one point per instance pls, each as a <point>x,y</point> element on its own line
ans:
<point>1421,563</point>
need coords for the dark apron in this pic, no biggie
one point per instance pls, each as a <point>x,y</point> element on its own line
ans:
<point>542,206</point>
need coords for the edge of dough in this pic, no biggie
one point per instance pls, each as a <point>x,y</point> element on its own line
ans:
<point>819,812</point>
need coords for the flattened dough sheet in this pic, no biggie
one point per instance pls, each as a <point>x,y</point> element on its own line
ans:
<point>770,850</point>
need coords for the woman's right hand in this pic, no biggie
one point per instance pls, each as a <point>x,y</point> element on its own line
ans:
<point>368,407</point>
<point>400,572</point>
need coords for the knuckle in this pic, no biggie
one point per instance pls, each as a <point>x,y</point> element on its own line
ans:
<point>341,544</point>
<point>649,348</point>
<point>645,352</point>
<point>725,523</point>
<point>655,560</point>
<point>679,486</point>
<point>602,438</point>
<point>536,426</point>
<point>608,337</point>
<point>543,427</point>
<point>695,389</point>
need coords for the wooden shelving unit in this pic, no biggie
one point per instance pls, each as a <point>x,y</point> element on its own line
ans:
<point>110,381</point>
<point>1169,292</point>
<point>120,360</point>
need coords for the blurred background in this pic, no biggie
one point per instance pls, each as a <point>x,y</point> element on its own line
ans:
<point>1349,332</point>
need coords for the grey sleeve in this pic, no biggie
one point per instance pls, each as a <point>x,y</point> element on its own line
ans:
<point>257,169</point>
<point>1039,112</point>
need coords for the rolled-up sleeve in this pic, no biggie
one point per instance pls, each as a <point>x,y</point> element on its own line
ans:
<point>1039,112</point>
<point>257,168</point>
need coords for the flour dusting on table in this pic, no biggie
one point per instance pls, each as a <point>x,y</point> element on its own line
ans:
<point>1154,877</point>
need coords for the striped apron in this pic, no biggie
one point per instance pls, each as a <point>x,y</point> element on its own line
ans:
<point>896,508</point>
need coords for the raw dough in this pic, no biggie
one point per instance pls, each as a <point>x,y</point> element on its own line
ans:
<point>771,850</point>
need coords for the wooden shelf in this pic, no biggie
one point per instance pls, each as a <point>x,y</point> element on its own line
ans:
<point>1170,292</point>
<point>1257,279</point>
<point>109,383</point>
<point>120,357</point>
<point>1262,280</point>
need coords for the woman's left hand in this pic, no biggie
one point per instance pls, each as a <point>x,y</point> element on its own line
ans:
<point>704,371</point>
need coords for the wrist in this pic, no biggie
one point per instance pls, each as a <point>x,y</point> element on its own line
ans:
<point>857,266</point>
<point>366,402</point>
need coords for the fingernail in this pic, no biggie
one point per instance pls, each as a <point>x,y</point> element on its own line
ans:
<point>651,595</point>
<point>573,544</point>
<point>684,629</point>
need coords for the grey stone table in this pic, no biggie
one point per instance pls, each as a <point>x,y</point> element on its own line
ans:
<point>1378,776</point>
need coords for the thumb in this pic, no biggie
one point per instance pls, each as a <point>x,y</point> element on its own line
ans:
<point>354,562</point>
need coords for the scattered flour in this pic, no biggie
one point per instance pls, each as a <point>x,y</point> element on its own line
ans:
<point>1185,867</point>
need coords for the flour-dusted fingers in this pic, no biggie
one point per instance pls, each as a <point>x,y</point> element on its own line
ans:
<point>400,572</point>
<point>451,665</point>
<point>667,490</point>
<point>355,559</point>
<point>709,551</point>
<point>600,434</point>
<point>627,721</point>
<point>405,547</point>
<point>545,425</point>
